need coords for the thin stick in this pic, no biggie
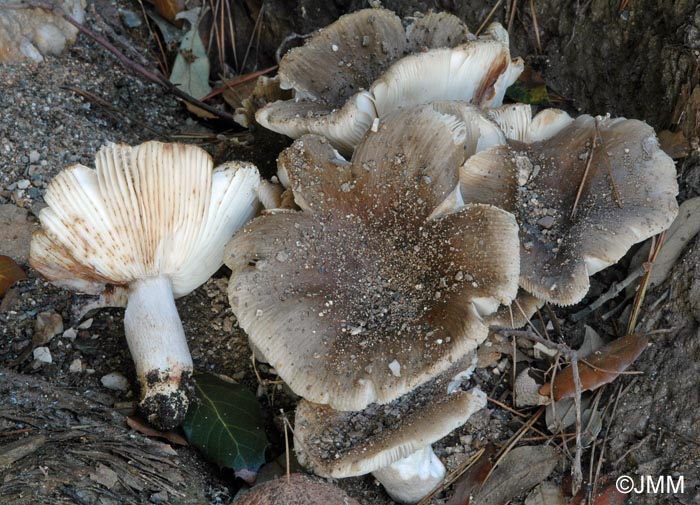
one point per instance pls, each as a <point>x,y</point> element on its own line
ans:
<point>534,23</point>
<point>513,411</point>
<point>132,65</point>
<point>240,80</point>
<point>529,322</point>
<point>456,474</point>
<point>513,377</point>
<point>116,112</point>
<point>163,60</point>
<point>252,37</point>
<point>488,16</point>
<point>584,177</point>
<point>639,298</point>
<point>514,440</point>
<point>576,472</point>
<point>286,444</point>
<point>616,193</point>
<point>506,407</point>
<point>544,325</point>
<point>232,30</point>
<point>615,289</point>
<point>513,8</point>
<point>554,319</point>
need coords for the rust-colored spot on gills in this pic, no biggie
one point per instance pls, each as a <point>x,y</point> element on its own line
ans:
<point>487,88</point>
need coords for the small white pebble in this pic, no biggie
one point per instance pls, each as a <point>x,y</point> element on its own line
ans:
<point>115,381</point>
<point>395,368</point>
<point>76,366</point>
<point>335,48</point>
<point>42,355</point>
<point>375,125</point>
<point>70,334</point>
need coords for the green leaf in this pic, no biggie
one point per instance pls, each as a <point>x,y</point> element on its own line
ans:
<point>225,424</point>
<point>191,68</point>
<point>531,88</point>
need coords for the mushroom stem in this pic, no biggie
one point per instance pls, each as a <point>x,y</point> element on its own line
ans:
<point>159,349</point>
<point>410,479</point>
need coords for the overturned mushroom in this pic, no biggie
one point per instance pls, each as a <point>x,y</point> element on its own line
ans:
<point>584,191</point>
<point>153,219</point>
<point>392,441</point>
<point>365,65</point>
<point>367,292</point>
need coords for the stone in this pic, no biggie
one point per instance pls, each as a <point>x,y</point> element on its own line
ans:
<point>42,355</point>
<point>29,34</point>
<point>48,324</point>
<point>15,233</point>
<point>76,366</point>
<point>115,381</point>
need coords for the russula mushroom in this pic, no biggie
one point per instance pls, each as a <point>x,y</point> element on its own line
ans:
<point>153,219</point>
<point>366,292</point>
<point>363,66</point>
<point>297,489</point>
<point>391,441</point>
<point>583,190</point>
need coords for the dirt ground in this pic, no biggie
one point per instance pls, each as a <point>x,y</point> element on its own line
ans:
<point>640,61</point>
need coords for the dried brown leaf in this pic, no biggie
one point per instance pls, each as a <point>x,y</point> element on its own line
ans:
<point>674,144</point>
<point>546,493</point>
<point>601,367</point>
<point>169,9</point>
<point>521,469</point>
<point>10,272</point>
<point>473,478</point>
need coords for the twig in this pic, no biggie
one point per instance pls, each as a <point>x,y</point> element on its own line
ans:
<point>554,319</point>
<point>591,153</point>
<point>513,411</point>
<point>616,193</point>
<point>240,80</point>
<point>488,16</point>
<point>252,36</point>
<point>514,440</point>
<point>116,112</point>
<point>232,30</point>
<point>163,60</point>
<point>452,477</point>
<point>641,292</point>
<point>513,8</point>
<point>576,472</point>
<point>534,23</point>
<point>286,443</point>
<point>614,290</point>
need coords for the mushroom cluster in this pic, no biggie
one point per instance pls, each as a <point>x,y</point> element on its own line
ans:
<point>365,65</point>
<point>425,212</point>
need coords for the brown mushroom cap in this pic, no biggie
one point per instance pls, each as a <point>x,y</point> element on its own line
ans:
<point>298,489</point>
<point>362,278</point>
<point>628,194</point>
<point>347,444</point>
<point>357,70</point>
